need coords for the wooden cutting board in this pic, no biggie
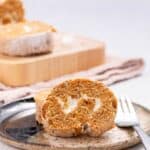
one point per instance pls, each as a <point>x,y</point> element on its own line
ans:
<point>13,131</point>
<point>70,54</point>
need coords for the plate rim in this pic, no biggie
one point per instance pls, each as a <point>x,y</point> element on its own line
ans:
<point>7,140</point>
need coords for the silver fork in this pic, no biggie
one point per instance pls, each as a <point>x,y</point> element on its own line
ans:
<point>126,117</point>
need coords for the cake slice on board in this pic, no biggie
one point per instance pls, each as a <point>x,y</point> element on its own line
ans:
<point>11,11</point>
<point>26,38</point>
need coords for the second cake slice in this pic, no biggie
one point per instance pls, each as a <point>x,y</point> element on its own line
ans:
<point>27,38</point>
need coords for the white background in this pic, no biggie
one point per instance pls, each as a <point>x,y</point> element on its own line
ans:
<point>124,25</point>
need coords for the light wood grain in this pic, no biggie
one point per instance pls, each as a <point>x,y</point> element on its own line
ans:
<point>70,54</point>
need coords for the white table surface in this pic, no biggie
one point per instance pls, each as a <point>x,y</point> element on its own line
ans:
<point>123,25</point>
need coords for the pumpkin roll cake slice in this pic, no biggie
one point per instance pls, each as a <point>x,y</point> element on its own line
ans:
<point>76,107</point>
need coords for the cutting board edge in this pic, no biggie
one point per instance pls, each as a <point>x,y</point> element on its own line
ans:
<point>18,72</point>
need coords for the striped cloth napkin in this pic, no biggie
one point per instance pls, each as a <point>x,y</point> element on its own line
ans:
<point>109,74</point>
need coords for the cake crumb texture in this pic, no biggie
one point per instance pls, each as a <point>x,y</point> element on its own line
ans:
<point>92,108</point>
<point>11,11</point>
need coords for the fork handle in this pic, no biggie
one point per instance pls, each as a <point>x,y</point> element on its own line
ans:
<point>143,136</point>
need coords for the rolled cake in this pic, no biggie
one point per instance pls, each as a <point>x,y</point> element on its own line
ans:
<point>26,38</point>
<point>11,11</point>
<point>76,107</point>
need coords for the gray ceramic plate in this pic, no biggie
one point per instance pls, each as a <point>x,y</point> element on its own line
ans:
<point>18,128</point>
